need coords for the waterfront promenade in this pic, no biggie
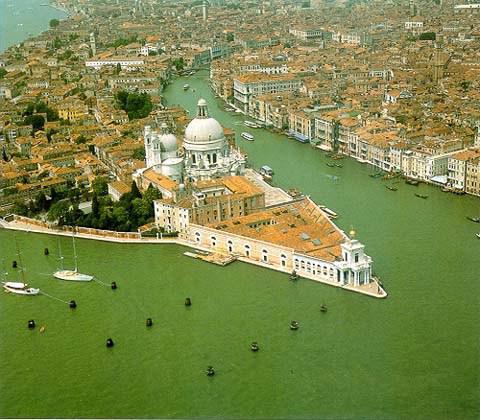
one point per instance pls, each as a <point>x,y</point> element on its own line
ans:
<point>25,224</point>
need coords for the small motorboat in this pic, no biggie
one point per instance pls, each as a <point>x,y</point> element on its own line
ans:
<point>421,196</point>
<point>247,136</point>
<point>266,172</point>
<point>186,86</point>
<point>19,288</point>
<point>389,187</point>
<point>254,346</point>
<point>294,276</point>
<point>210,371</point>
<point>294,325</point>
<point>477,235</point>
<point>323,308</point>
<point>412,181</point>
<point>330,164</point>
<point>474,219</point>
<point>338,165</point>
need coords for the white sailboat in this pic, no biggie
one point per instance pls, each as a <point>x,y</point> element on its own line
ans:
<point>17,287</point>
<point>71,275</point>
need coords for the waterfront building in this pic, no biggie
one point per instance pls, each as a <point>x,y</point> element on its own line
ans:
<point>248,85</point>
<point>464,171</point>
<point>291,236</point>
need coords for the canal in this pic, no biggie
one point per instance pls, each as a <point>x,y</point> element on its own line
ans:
<point>414,354</point>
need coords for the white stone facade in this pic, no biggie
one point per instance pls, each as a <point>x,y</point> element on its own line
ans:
<point>207,152</point>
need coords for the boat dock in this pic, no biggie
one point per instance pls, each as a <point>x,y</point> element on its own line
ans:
<point>218,259</point>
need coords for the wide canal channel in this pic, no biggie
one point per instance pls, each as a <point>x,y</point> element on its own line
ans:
<point>414,354</point>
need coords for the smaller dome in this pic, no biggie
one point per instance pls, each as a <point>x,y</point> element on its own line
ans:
<point>168,140</point>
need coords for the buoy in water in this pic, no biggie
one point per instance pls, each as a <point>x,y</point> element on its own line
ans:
<point>72,304</point>
<point>149,322</point>
<point>14,264</point>
<point>31,323</point>
<point>254,346</point>
<point>113,285</point>
<point>46,251</point>
<point>188,302</point>
<point>109,342</point>
<point>210,371</point>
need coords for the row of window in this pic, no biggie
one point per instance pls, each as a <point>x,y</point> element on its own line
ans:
<point>247,249</point>
<point>313,268</point>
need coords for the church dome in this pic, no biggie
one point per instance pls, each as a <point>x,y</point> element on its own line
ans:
<point>167,140</point>
<point>203,129</point>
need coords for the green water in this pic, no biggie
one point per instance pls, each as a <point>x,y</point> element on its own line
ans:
<point>414,354</point>
<point>20,19</point>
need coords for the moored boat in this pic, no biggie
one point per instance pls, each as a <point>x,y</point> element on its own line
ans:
<point>477,235</point>
<point>19,288</point>
<point>421,196</point>
<point>186,86</point>
<point>330,213</point>
<point>247,136</point>
<point>389,187</point>
<point>266,172</point>
<point>411,181</point>
<point>71,275</point>
<point>251,124</point>
<point>474,219</point>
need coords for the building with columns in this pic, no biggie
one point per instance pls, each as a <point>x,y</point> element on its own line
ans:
<point>207,152</point>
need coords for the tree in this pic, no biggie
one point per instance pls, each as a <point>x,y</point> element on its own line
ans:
<point>427,36</point>
<point>136,105</point>
<point>36,121</point>
<point>54,23</point>
<point>95,206</point>
<point>3,72</point>
<point>230,37</point>
<point>118,68</point>
<point>100,186</point>
<point>41,201</point>
<point>58,212</point>
<point>4,155</point>
<point>179,63</point>
<point>139,153</point>
<point>135,192</point>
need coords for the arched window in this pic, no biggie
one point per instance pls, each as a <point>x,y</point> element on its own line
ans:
<point>230,246</point>
<point>214,241</point>
<point>283,258</point>
<point>247,250</point>
<point>264,255</point>
<point>194,158</point>
<point>197,236</point>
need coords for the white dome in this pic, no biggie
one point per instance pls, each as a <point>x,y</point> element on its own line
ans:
<point>203,129</point>
<point>168,142</point>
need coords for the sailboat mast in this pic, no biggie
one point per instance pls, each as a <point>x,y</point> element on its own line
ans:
<point>74,253</point>
<point>19,256</point>
<point>60,256</point>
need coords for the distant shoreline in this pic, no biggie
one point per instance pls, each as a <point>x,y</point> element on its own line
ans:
<point>31,33</point>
